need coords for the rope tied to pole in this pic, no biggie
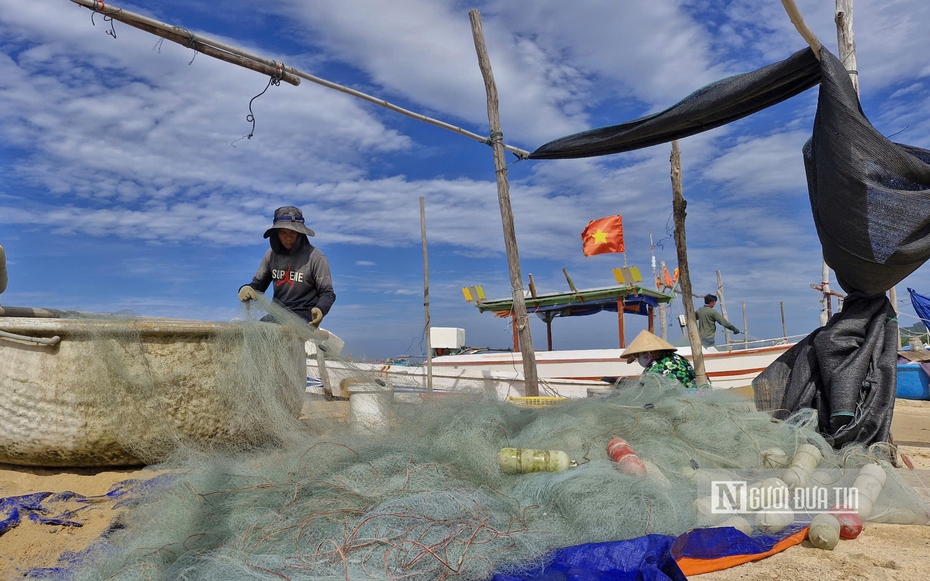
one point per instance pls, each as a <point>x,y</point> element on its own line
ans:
<point>497,138</point>
<point>191,42</point>
<point>279,72</point>
<point>273,80</point>
<point>100,6</point>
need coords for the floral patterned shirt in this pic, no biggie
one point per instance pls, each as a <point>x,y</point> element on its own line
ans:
<point>675,366</point>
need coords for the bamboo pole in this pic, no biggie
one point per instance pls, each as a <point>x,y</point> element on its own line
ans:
<point>745,328</point>
<point>784,327</point>
<point>846,42</point>
<point>251,61</point>
<point>795,15</point>
<point>679,205</point>
<point>429,339</point>
<point>521,320</point>
<point>198,43</point>
<point>723,309</point>
<point>663,316</point>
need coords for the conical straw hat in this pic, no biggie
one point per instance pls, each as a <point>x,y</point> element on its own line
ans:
<point>644,343</point>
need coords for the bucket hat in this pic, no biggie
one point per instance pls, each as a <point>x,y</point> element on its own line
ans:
<point>289,218</point>
<point>644,343</point>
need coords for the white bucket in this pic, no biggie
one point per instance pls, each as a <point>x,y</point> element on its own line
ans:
<point>371,406</point>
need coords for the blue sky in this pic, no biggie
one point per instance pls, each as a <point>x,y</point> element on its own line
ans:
<point>122,185</point>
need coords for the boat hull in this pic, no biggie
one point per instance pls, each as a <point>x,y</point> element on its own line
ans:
<point>561,373</point>
<point>725,370</point>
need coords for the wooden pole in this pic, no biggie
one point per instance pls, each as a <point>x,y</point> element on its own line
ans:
<point>893,297</point>
<point>247,60</point>
<point>784,327</point>
<point>795,15</point>
<point>429,342</point>
<point>745,328</point>
<point>503,195</point>
<point>723,309</point>
<point>663,317</point>
<point>679,205</point>
<point>843,16</point>
<point>621,330</point>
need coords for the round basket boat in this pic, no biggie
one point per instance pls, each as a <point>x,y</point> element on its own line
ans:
<point>90,392</point>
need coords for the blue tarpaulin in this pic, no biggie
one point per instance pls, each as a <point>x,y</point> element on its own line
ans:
<point>647,558</point>
<point>921,306</point>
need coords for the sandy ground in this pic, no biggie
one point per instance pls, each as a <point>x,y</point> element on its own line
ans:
<point>881,553</point>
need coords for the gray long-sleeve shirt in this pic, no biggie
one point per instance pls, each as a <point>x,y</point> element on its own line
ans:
<point>301,277</point>
<point>707,319</point>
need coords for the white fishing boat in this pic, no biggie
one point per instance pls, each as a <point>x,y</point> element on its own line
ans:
<point>562,373</point>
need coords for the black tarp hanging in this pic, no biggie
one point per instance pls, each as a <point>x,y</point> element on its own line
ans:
<point>870,200</point>
<point>712,106</point>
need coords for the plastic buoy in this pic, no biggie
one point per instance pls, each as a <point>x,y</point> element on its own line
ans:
<point>627,461</point>
<point>770,522</point>
<point>738,523</point>
<point>524,461</point>
<point>824,532</point>
<point>850,523</point>
<point>774,458</point>
<point>869,484</point>
<point>805,461</point>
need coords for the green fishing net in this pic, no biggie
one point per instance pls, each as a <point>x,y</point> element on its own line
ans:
<point>412,489</point>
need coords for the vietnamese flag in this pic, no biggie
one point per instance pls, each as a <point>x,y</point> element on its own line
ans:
<point>603,235</point>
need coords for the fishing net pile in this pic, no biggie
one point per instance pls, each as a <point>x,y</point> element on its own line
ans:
<point>422,494</point>
<point>260,481</point>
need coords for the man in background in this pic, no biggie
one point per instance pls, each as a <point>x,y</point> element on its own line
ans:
<point>707,319</point>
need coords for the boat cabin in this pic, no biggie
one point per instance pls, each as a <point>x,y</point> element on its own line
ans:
<point>624,299</point>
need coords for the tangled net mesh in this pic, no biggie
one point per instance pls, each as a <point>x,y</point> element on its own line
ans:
<point>420,495</point>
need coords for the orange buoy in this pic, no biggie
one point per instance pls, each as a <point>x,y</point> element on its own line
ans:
<point>620,452</point>
<point>850,523</point>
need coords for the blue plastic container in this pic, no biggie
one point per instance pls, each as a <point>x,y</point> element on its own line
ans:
<point>913,382</point>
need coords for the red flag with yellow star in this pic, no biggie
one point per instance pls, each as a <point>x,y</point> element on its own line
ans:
<point>603,235</point>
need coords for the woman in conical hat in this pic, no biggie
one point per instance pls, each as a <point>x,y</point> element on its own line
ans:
<point>658,356</point>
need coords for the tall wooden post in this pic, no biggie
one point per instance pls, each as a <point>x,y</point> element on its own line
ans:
<point>784,327</point>
<point>621,330</point>
<point>429,344</point>
<point>679,205</point>
<point>723,308</point>
<point>745,328</point>
<point>663,309</point>
<point>503,195</point>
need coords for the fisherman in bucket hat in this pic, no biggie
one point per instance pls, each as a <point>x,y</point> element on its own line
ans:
<point>298,271</point>
<point>658,356</point>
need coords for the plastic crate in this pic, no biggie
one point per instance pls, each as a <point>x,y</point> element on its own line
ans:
<point>913,382</point>
<point>535,402</point>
